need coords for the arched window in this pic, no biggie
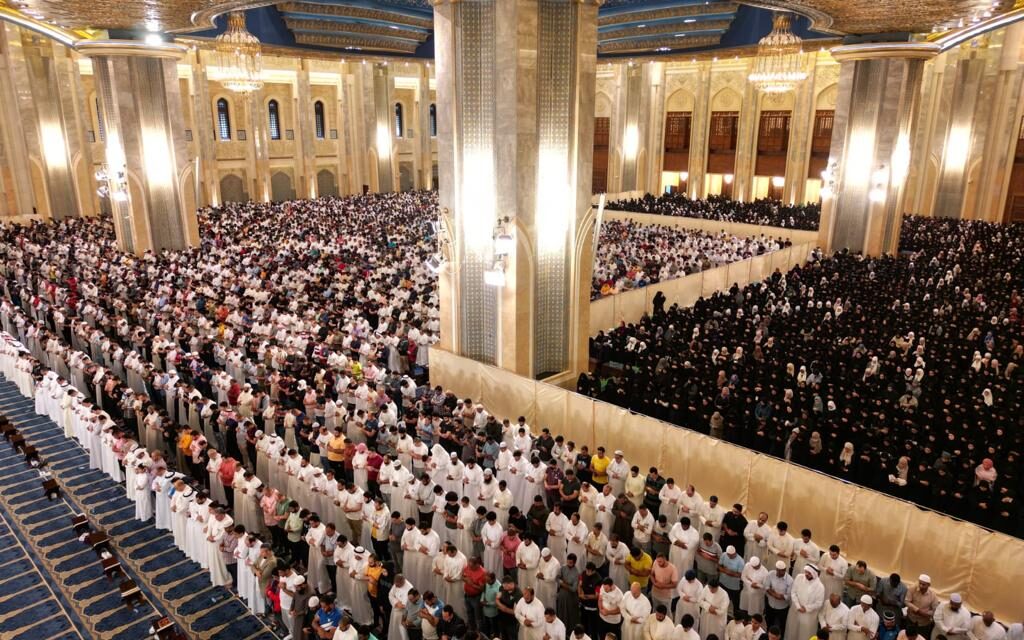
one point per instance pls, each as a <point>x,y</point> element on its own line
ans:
<point>318,119</point>
<point>223,120</point>
<point>101,128</point>
<point>399,121</point>
<point>274,119</point>
<point>433,121</point>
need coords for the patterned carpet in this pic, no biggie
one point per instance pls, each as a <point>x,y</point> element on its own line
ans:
<point>52,585</point>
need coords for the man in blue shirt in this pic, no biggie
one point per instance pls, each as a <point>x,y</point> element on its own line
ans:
<point>730,568</point>
<point>326,620</point>
<point>778,590</point>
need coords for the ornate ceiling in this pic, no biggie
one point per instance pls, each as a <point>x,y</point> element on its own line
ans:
<point>627,27</point>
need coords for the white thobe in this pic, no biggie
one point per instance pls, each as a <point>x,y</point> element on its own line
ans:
<point>859,618</point>
<point>527,559</point>
<point>713,623</point>
<point>834,618</point>
<point>809,594</point>
<point>532,612</point>
<point>635,610</point>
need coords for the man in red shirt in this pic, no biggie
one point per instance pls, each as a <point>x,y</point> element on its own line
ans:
<point>474,577</point>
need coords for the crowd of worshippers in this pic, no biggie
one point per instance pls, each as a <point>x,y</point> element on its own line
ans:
<point>475,526</point>
<point>631,255</point>
<point>379,462</point>
<point>899,373</point>
<point>765,211</point>
<point>390,533</point>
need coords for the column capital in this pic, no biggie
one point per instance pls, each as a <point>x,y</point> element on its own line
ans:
<point>873,50</point>
<point>93,48</point>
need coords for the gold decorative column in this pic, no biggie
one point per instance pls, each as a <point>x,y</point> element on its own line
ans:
<point>516,90</point>
<point>44,87</point>
<point>305,149</point>
<point>18,131</point>
<point>879,91</point>
<point>378,119</point>
<point>638,121</point>
<point>700,130</point>
<point>798,157</point>
<point>206,143</point>
<point>423,158</point>
<point>139,95</point>
<point>746,142</point>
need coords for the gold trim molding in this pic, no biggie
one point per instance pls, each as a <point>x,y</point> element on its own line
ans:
<point>92,48</point>
<point>869,51</point>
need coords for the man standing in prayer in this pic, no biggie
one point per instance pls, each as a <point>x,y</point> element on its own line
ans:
<point>862,624</point>
<point>921,604</point>
<point>778,590</point>
<point>833,568</point>
<point>714,609</point>
<point>807,598</point>
<point>833,617</point>
<point>952,619</point>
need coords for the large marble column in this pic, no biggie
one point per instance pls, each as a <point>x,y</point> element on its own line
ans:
<point>638,124</point>
<point>206,143</point>
<point>423,158</point>
<point>140,99</point>
<point>516,83</point>
<point>378,121</point>
<point>700,130</point>
<point>798,156</point>
<point>305,148</point>
<point>15,161</point>
<point>879,89</point>
<point>746,142</point>
<point>43,75</point>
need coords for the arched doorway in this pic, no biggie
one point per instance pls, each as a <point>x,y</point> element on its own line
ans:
<point>232,189</point>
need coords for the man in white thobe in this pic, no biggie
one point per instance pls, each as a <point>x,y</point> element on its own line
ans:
<point>556,526</point>
<point>635,608</point>
<point>659,625</point>
<point>807,597</point>
<point>862,623</point>
<point>547,577</point>
<point>684,539</point>
<point>805,552</point>
<point>833,617</point>
<point>217,525</point>
<point>714,608</point>
<point>952,619</point>
<point>554,629</point>
<point>527,560</point>
<point>833,567</point>
<point>316,563</point>
<point>529,612</point>
<point>985,627</point>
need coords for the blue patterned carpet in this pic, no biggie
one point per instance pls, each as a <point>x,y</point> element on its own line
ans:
<point>52,585</point>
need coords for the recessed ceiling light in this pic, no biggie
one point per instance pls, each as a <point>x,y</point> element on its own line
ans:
<point>641,25</point>
<point>392,26</point>
<point>680,35</point>
<point>690,20</point>
<point>662,49</point>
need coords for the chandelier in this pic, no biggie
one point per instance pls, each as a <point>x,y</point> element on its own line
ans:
<point>778,67</point>
<point>238,56</point>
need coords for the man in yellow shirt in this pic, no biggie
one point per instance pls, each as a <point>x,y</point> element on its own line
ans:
<point>184,448</point>
<point>336,452</point>
<point>638,567</point>
<point>599,468</point>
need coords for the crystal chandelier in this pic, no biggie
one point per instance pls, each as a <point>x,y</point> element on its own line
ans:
<point>238,56</point>
<point>778,67</point>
